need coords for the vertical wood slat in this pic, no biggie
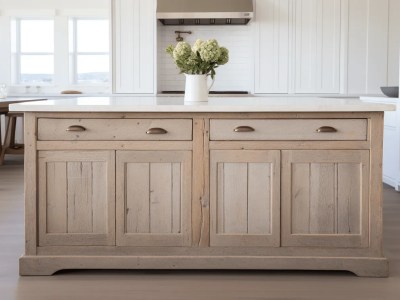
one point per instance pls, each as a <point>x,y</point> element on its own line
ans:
<point>137,202</point>
<point>200,204</point>
<point>79,191</point>
<point>56,198</point>
<point>99,197</point>
<point>322,198</point>
<point>349,198</point>
<point>176,198</point>
<point>160,198</point>
<point>220,220</point>
<point>300,212</point>
<point>31,184</point>
<point>259,198</point>
<point>235,198</point>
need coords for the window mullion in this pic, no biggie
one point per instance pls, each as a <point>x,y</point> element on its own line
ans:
<point>18,51</point>
<point>75,50</point>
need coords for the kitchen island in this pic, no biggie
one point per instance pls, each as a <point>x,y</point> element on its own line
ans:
<point>236,183</point>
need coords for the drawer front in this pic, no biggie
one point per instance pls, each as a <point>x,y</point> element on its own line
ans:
<point>114,129</point>
<point>289,129</point>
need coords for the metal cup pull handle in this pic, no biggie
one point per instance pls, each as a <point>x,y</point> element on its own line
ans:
<point>76,128</point>
<point>325,129</point>
<point>244,129</point>
<point>156,131</point>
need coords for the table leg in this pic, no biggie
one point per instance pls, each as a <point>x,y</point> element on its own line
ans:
<point>7,140</point>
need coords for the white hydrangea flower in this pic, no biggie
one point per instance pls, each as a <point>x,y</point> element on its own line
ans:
<point>197,45</point>
<point>210,51</point>
<point>182,51</point>
<point>203,58</point>
<point>224,58</point>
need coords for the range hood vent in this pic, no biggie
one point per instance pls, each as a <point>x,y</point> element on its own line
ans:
<point>204,12</point>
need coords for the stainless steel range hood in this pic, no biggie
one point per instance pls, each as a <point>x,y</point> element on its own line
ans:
<point>204,12</point>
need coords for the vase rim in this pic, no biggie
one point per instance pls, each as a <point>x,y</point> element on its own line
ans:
<point>195,74</point>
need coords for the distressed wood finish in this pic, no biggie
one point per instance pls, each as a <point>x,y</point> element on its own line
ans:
<point>114,130</point>
<point>76,198</point>
<point>153,198</point>
<point>200,181</point>
<point>224,130</point>
<point>325,199</point>
<point>250,203</point>
<point>244,193</point>
<point>30,184</point>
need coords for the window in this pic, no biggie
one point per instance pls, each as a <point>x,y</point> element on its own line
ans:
<point>33,51</point>
<point>89,51</point>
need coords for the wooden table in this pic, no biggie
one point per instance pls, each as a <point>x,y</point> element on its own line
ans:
<point>9,144</point>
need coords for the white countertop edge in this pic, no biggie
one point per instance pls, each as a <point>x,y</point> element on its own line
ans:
<point>175,104</point>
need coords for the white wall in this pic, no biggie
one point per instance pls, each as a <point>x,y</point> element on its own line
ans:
<point>237,75</point>
<point>394,43</point>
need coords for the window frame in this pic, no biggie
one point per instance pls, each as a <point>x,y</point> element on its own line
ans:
<point>17,53</point>
<point>73,56</point>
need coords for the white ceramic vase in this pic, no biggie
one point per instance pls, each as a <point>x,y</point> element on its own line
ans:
<point>197,89</point>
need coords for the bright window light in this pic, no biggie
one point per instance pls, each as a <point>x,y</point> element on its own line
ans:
<point>89,51</point>
<point>33,51</point>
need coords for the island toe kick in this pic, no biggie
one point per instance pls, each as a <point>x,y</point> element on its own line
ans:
<point>204,190</point>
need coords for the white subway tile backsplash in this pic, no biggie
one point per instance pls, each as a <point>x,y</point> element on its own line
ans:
<point>237,75</point>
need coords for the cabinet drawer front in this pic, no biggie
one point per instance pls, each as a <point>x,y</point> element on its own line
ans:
<point>114,129</point>
<point>306,129</point>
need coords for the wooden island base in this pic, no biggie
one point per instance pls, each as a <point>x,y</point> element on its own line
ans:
<point>48,265</point>
<point>211,190</point>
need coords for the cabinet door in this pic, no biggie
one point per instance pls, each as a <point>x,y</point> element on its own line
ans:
<point>317,46</point>
<point>325,198</point>
<point>271,46</point>
<point>134,46</point>
<point>244,188</point>
<point>76,198</point>
<point>154,198</point>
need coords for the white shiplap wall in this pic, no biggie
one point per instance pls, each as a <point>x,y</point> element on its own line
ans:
<point>237,75</point>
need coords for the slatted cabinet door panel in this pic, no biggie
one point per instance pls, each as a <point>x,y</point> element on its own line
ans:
<point>154,198</point>
<point>76,198</point>
<point>325,198</point>
<point>245,198</point>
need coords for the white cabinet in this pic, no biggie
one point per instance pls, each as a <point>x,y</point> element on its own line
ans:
<point>297,46</point>
<point>391,142</point>
<point>271,46</point>
<point>317,46</point>
<point>326,46</point>
<point>134,45</point>
<point>391,147</point>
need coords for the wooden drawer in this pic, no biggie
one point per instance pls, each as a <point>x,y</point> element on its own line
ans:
<point>289,129</point>
<point>114,129</point>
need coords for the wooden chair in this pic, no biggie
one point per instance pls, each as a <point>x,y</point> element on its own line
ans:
<point>10,147</point>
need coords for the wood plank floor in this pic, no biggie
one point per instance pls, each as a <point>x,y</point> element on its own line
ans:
<point>185,285</point>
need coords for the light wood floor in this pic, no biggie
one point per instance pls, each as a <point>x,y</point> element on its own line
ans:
<point>179,285</point>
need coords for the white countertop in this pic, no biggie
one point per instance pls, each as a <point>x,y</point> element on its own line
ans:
<point>380,99</point>
<point>215,104</point>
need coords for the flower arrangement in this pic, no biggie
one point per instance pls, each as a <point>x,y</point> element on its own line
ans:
<point>203,58</point>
